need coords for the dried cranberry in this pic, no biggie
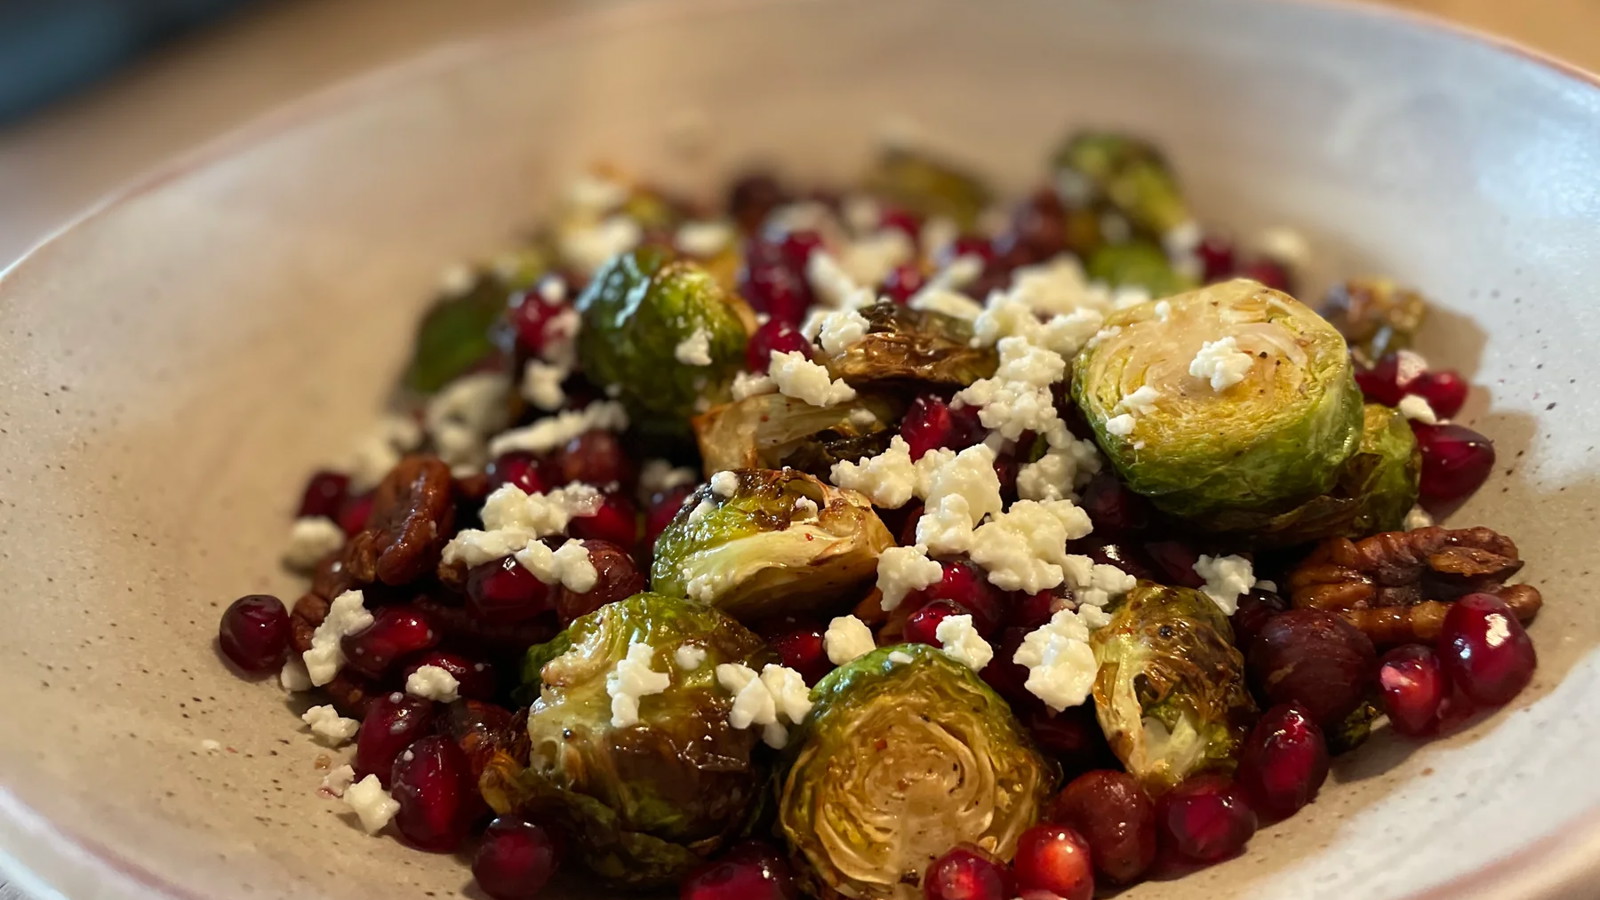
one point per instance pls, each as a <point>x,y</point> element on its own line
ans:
<point>616,521</point>
<point>474,678</point>
<point>354,513</point>
<point>1174,561</point>
<point>1271,273</point>
<point>922,626</point>
<point>661,509</point>
<point>1284,761</point>
<point>931,424</point>
<point>1216,258</point>
<point>393,722</point>
<point>776,336</point>
<point>1116,817</point>
<point>1315,659</point>
<point>254,633</point>
<point>1114,510</point>
<point>750,871</point>
<point>324,495</point>
<point>1054,858</point>
<point>1414,689</point>
<point>752,197</point>
<point>502,591</point>
<point>515,859</point>
<point>1206,818</point>
<point>595,457</point>
<point>395,632</point>
<point>1456,461</point>
<point>803,650</point>
<point>516,468</point>
<point>438,798</point>
<point>530,315</point>
<point>1485,650</point>
<point>966,586</point>
<point>619,578</point>
<point>1445,391</point>
<point>902,282</point>
<point>967,873</point>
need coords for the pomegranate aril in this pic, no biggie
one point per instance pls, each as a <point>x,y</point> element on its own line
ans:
<point>1413,688</point>
<point>438,798</point>
<point>1316,659</point>
<point>1033,610</point>
<point>772,284</point>
<point>395,632</point>
<point>803,650</point>
<point>1216,258</point>
<point>1174,561</point>
<point>1391,377</point>
<point>516,468</point>
<point>254,633</point>
<point>752,196</point>
<point>1456,461</point>
<point>966,245</point>
<point>514,860</point>
<point>1009,679</point>
<point>530,315</point>
<point>1270,273</point>
<point>1115,815</point>
<point>324,495</point>
<point>967,873</point>
<point>776,336</point>
<point>904,221</point>
<point>931,424</point>
<point>616,521</point>
<point>354,513</point>
<point>797,247</point>
<point>595,457</point>
<point>619,578</point>
<point>502,592</point>
<point>1445,391</point>
<point>1072,736</point>
<point>749,871</point>
<point>663,506</point>
<point>902,282</point>
<point>393,722</point>
<point>966,586</point>
<point>1284,761</point>
<point>1114,510</point>
<point>1054,858</point>
<point>1206,819</point>
<point>474,678</point>
<point>922,626</point>
<point>1485,651</point>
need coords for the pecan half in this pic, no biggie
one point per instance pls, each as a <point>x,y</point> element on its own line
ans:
<point>349,692</point>
<point>413,511</point>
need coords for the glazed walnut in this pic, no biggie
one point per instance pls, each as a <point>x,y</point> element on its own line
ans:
<point>1397,586</point>
<point>413,512</point>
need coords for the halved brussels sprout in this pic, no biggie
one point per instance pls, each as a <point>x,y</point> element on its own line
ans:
<point>928,186</point>
<point>907,753</point>
<point>662,334</point>
<point>1170,693</point>
<point>770,431</point>
<point>1128,173</point>
<point>644,802</point>
<point>1376,316</point>
<point>1198,445</point>
<point>780,542</point>
<point>1137,264</point>
<point>904,344</point>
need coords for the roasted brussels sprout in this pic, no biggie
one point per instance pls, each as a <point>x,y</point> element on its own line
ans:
<point>904,344</point>
<point>1170,693</point>
<point>630,749</point>
<point>1376,316</point>
<point>928,186</point>
<point>1127,173</point>
<point>770,431</point>
<point>1137,264</point>
<point>907,753</point>
<point>1232,398</point>
<point>770,542</point>
<point>661,333</point>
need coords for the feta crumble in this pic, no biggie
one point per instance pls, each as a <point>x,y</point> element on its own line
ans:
<point>380,451</point>
<point>803,379</point>
<point>900,657</point>
<point>902,570</point>
<point>629,681</point>
<point>889,479</point>
<point>703,239</point>
<point>724,484</point>
<point>848,638</point>
<point>330,727</point>
<point>1059,472</point>
<point>1222,363</point>
<point>371,804</point>
<point>961,642</point>
<point>568,565</point>
<point>658,475</point>
<point>293,675</point>
<point>588,247</point>
<point>1227,579</point>
<point>839,330</point>
<point>1417,518</point>
<point>553,431</point>
<point>1060,663</point>
<point>689,656</point>
<point>945,301</point>
<point>752,384</point>
<point>961,489</point>
<point>311,539</point>
<point>1121,425</point>
<point>1018,397</point>
<point>338,780</point>
<point>461,417</point>
<point>210,746</point>
<point>694,350</point>
<point>513,520</point>
<point>433,683</point>
<point>1141,402</point>
<point>1417,408</point>
<point>541,384</point>
<point>871,257</point>
<point>767,699</point>
<point>346,615</point>
<point>832,285</point>
<point>1024,548</point>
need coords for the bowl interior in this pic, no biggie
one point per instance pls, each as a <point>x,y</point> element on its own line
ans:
<point>179,360</point>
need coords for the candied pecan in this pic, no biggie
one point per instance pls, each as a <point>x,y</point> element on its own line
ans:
<point>308,613</point>
<point>350,693</point>
<point>412,514</point>
<point>332,576</point>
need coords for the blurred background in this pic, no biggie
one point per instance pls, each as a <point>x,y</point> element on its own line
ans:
<point>94,92</point>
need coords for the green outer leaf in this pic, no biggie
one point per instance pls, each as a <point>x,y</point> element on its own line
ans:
<point>928,186</point>
<point>1130,175</point>
<point>1137,264</point>
<point>1170,693</point>
<point>871,713</point>
<point>454,335</point>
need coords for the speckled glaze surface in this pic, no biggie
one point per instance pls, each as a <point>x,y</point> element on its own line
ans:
<point>178,360</point>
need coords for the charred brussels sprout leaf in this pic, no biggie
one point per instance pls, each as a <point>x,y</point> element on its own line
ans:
<point>907,753</point>
<point>1126,173</point>
<point>661,333</point>
<point>905,344</point>
<point>928,186</point>
<point>1376,316</point>
<point>1170,692</point>
<point>457,333</point>
<point>783,542</point>
<point>1275,438</point>
<point>644,802</point>
<point>770,431</point>
<point>1137,264</point>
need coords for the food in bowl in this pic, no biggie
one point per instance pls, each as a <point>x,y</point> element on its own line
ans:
<point>887,542</point>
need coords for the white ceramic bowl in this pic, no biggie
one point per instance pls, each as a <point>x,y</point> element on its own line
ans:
<point>180,358</point>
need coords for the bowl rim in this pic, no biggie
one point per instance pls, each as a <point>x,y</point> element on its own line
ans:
<point>1555,866</point>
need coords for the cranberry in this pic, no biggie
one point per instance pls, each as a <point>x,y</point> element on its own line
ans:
<point>515,859</point>
<point>324,495</point>
<point>930,424</point>
<point>1054,858</point>
<point>1456,461</point>
<point>1445,391</point>
<point>803,650</point>
<point>1271,273</point>
<point>902,282</point>
<point>619,578</point>
<point>254,633</point>
<point>395,631</point>
<point>616,521</point>
<point>1116,817</point>
<point>474,678</point>
<point>392,723</point>
<point>1114,510</point>
<point>1391,377</point>
<point>1174,561</point>
<point>752,196</point>
<point>502,592</point>
<point>1256,608</point>
<point>750,871</point>
<point>595,457</point>
<point>967,873</point>
<point>1414,689</point>
<point>1284,761</point>
<point>776,336</point>
<point>1216,258</point>
<point>1206,818</point>
<point>922,626</point>
<point>354,513</point>
<point>438,798</point>
<point>1315,659</point>
<point>530,315</point>
<point>1485,650</point>
<point>518,468</point>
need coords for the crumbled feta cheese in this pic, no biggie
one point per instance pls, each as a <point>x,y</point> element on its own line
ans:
<point>630,680</point>
<point>1120,425</point>
<point>541,384</point>
<point>1182,238</point>
<point>1222,363</point>
<point>588,247</point>
<point>694,350</point>
<point>338,780</point>
<point>861,213</point>
<point>805,509</point>
<point>751,384</point>
<point>803,379</point>
<point>371,804</point>
<point>888,479</point>
<point>553,431</point>
<point>1018,397</point>
<point>293,675</point>
<point>1060,663</point>
<point>346,615</point>
<point>1141,402</point>
<point>805,215</point>
<point>938,232</point>
<point>839,330</point>
<point>1024,548</point>
<point>1129,296</point>
<point>902,570</point>
<point>1227,578</point>
<point>1284,245</point>
<point>461,417</point>
<point>1060,471</point>
<point>381,450</point>
<point>657,475</point>
<point>778,693</point>
<point>330,727</point>
<point>311,539</point>
<point>1096,584</point>
<point>961,642</point>
<point>1163,309</point>
<point>433,683</point>
<point>1417,518</point>
<point>568,565</point>
<point>900,657</point>
<point>848,638</point>
<point>703,239</point>
<point>595,194</point>
<point>689,656</point>
<point>960,491</point>
<point>871,257</point>
<point>701,510</point>
<point>513,520</point>
<point>1417,408</point>
<point>725,484</point>
<point>945,302</point>
<point>832,285</point>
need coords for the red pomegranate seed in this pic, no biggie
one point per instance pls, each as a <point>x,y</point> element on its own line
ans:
<point>1391,377</point>
<point>902,282</point>
<point>752,196</point>
<point>1206,818</point>
<point>438,798</point>
<point>1033,610</point>
<point>392,723</point>
<point>502,592</point>
<point>619,579</point>
<point>1072,736</point>
<point>354,513</point>
<point>595,457</point>
<point>1445,391</point>
<point>771,283</point>
<point>803,650</point>
<point>798,246</point>
<point>922,626</point>
<point>616,521</point>
<point>1456,461</point>
<point>969,589</point>
<point>1255,610</point>
<point>1485,650</point>
<point>518,468</point>
<point>1009,679</point>
<point>254,633</point>
<point>967,873</point>
<point>1272,274</point>
<point>1174,561</point>
<point>966,245</point>
<point>530,316</point>
<point>904,221</point>
<point>1414,689</point>
<point>750,871</point>
<point>515,859</point>
<point>776,336</point>
<point>1284,761</point>
<point>324,495</point>
<point>1054,858</point>
<point>663,506</point>
<point>930,424</point>
<point>395,632</point>
<point>1116,817</point>
<point>1114,510</point>
<point>1216,258</point>
<point>474,678</point>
